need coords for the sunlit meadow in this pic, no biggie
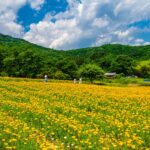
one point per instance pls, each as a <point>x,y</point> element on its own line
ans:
<point>47,116</point>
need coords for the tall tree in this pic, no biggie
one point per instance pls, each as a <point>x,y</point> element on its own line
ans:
<point>31,64</point>
<point>2,56</point>
<point>123,64</point>
<point>143,69</point>
<point>91,71</point>
<point>68,67</point>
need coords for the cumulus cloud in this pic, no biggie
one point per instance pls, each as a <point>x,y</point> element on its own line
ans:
<point>36,4</point>
<point>90,23</point>
<point>84,23</point>
<point>8,15</point>
<point>133,10</point>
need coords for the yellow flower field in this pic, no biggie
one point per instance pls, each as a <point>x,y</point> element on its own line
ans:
<point>36,115</point>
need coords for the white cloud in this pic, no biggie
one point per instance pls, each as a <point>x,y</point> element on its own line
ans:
<point>99,23</point>
<point>8,15</point>
<point>84,23</point>
<point>132,10</point>
<point>72,29</point>
<point>90,23</point>
<point>16,4</point>
<point>36,4</point>
<point>45,32</point>
<point>11,5</point>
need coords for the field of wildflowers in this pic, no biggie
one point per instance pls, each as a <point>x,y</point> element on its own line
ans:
<point>36,115</point>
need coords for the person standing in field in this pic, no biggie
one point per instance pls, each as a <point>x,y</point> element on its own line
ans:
<point>80,81</point>
<point>75,81</point>
<point>46,78</point>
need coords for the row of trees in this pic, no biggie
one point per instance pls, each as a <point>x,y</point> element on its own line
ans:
<point>31,64</point>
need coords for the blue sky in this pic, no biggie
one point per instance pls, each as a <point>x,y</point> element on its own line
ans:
<point>71,24</point>
<point>27,15</point>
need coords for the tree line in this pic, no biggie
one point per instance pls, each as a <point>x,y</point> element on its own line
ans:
<point>19,58</point>
<point>30,64</point>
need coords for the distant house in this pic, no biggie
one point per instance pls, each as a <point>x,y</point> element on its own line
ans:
<point>110,75</point>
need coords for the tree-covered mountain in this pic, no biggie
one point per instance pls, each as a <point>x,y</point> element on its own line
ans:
<point>23,59</point>
<point>136,52</point>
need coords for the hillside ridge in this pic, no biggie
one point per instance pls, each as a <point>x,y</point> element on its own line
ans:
<point>22,58</point>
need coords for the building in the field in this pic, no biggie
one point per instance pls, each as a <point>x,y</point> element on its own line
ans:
<point>110,75</point>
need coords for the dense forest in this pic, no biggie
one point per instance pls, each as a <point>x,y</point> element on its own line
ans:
<point>20,58</point>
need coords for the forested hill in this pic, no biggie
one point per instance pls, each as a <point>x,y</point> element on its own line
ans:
<point>10,44</point>
<point>137,52</point>
<point>21,58</point>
